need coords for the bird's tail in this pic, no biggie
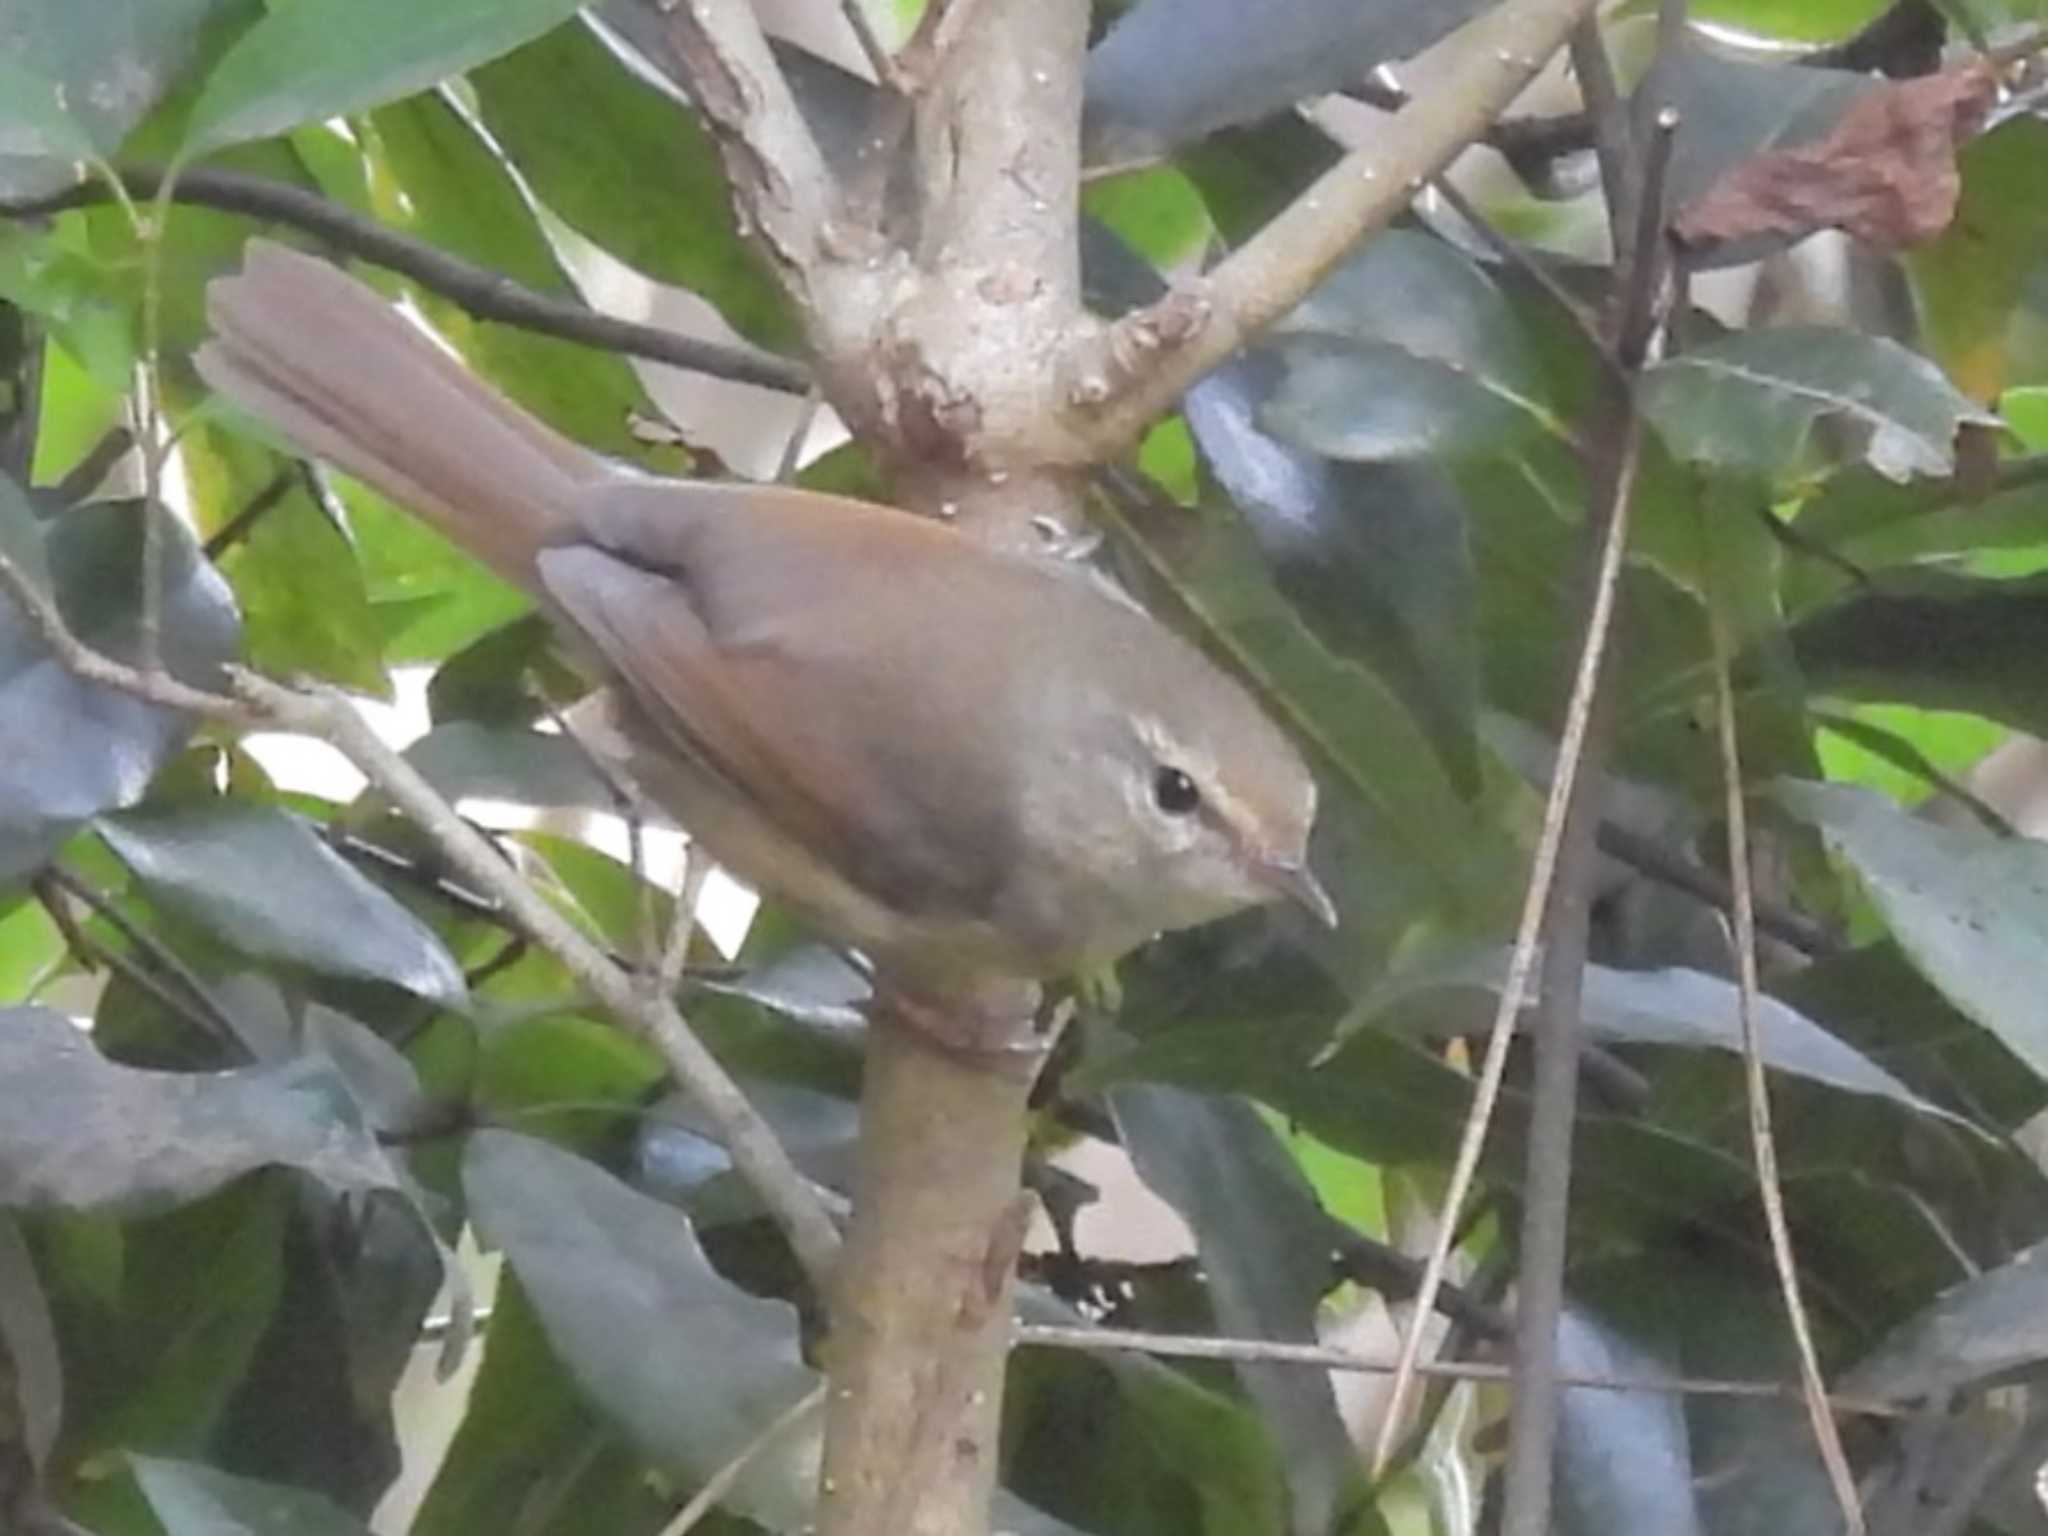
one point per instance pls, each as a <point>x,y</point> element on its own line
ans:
<point>343,374</point>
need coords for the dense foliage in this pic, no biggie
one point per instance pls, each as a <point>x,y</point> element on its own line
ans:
<point>315,1060</point>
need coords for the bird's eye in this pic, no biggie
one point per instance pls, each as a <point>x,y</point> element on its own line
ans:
<point>1174,792</point>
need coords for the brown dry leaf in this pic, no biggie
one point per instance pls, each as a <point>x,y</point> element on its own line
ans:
<point>1885,173</point>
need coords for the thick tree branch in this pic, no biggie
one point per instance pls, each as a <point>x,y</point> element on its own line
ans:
<point>478,291</point>
<point>1122,377</point>
<point>779,177</point>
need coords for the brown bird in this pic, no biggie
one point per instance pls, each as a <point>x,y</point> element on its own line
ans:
<point>960,761</point>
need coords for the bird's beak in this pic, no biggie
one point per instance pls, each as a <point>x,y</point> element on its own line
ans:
<point>1293,879</point>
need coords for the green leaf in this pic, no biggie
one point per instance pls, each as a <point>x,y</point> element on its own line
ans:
<point>1938,641</point>
<point>304,607</point>
<point>1969,909</point>
<point>75,748</point>
<point>1991,1325</point>
<point>1671,1007</point>
<point>1408,350</point>
<point>78,78</point>
<point>180,1135</point>
<point>454,192</point>
<point>530,1454</point>
<point>1751,402</point>
<point>689,1365</point>
<point>194,1500</point>
<point>1972,277</point>
<point>633,170</point>
<point>35,1401</point>
<point>316,59</point>
<point>263,882</point>
<point>34,121</point>
<point>1264,1244</point>
<point>463,758</point>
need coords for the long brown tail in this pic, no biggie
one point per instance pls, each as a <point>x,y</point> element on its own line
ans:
<point>309,349</point>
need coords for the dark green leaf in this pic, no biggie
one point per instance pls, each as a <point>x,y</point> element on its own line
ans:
<point>1670,1007</point>
<point>192,1500</point>
<point>1936,640</point>
<point>1624,1459</point>
<point>631,169</point>
<point>262,881</point>
<point>1751,402</point>
<point>1968,908</point>
<point>1173,70</point>
<point>317,59</point>
<point>29,1342</point>
<point>464,758</point>
<point>1374,557</point>
<point>81,1132</point>
<point>691,1367</point>
<point>75,749</point>
<point>1988,1326</point>
<point>529,1454</point>
<point>1408,350</point>
<point>80,77</point>
<point>1264,1244</point>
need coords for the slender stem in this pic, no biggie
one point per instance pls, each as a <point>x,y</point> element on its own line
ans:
<point>1762,1143</point>
<point>478,291</point>
<point>1535,901</point>
<point>1174,1346</point>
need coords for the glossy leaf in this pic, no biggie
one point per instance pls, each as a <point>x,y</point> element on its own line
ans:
<point>1173,70</point>
<point>1264,1245</point>
<point>30,1340</point>
<point>1751,402</point>
<point>74,748</point>
<point>643,1321</point>
<point>195,1500</point>
<point>1375,558</point>
<point>632,170</point>
<point>101,68</point>
<point>263,882</point>
<point>181,1135</point>
<point>1407,350</point>
<point>1624,1459</point>
<point>1671,1007</point>
<point>1936,640</point>
<point>317,59</point>
<point>1989,1326</point>
<point>1968,908</point>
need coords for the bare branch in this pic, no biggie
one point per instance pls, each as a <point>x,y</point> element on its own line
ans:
<point>1119,378</point>
<point>259,704</point>
<point>478,291</point>
<point>779,176</point>
<point>1763,1144</point>
<point>1093,1340</point>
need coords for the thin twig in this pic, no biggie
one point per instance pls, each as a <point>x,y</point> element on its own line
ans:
<point>86,476</point>
<point>261,704</point>
<point>1519,257</point>
<point>478,291</point>
<point>876,52</point>
<point>719,1483</point>
<point>236,528</point>
<point>753,1146</point>
<point>1762,1143</point>
<point>1613,136</point>
<point>1514,989</point>
<point>1654,861</point>
<point>1326,1357</point>
<point>197,1003</point>
<point>675,954</point>
<point>1121,377</point>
